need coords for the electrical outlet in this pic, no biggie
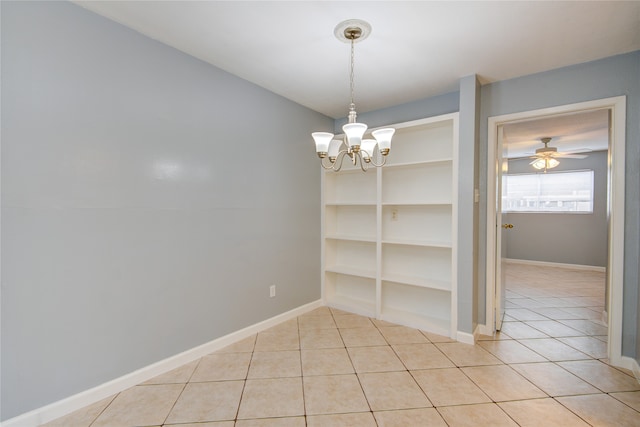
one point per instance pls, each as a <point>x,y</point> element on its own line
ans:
<point>272,291</point>
<point>394,215</point>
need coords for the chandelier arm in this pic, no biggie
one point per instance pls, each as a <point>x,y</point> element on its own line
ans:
<point>363,165</point>
<point>384,160</point>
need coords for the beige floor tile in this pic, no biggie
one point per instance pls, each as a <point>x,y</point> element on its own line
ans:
<point>211,424</point>
<point>554,350</point>
<point>601,410</point>
<point>218,367</point>
<point>243,346</point>
<point>287,339</point>
<point>362,419</point>
<point>524,314</point>
<point>631,398</point>
<point>511,351</point>
<point>588,345</point>
<point>320,338</point>
<point>585,313</point>
<point>352,321</point>
<point>586,326</point>
<point>327,361</point>
<point>337,311</point>
<point>140,405</point>
<point>435,338</point>
<point>179,375</point>
<point>541,413</point>
<point>502,383</point>
<point>485,414</point>
<point>375,359</point>
<point>213,401</point>
<point>274,364</point>
<point>316,322</point>
<point>422,356</point>
<point>446,387</point>
<point>402,335</point>
<point>320,311</point>
<point>497,336</point>
<point>556,313</point>
<point>82,417</point>
<point>554,380</point>
<point>381,323</point>
<point>519,330</point>
<point>392,390</point>
<point>553,328</point>
<point>276,397</point>
<point>358,337</point>
<point>271,422</point>
<point>603,376</point>
<point>467,355</point>
<point>410,417</point>
<point>333,394</point>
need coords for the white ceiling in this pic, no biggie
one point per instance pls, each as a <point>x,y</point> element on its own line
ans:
<point>577,132</point>
<point>417,49</point>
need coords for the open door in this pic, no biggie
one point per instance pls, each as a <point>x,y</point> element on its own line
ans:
<point>501,229</point>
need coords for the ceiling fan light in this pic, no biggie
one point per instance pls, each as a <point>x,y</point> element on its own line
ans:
<point>552,163</point>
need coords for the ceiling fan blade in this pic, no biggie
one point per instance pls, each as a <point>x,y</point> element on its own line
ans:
<point>571,156</point>
<point>576,151</point>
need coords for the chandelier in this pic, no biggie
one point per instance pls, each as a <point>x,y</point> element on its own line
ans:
<point>362,152</point>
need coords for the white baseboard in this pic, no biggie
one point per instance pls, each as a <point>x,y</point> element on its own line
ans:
<point>466,337</point>
<point>557,265</point>
<point>65,406</point>
<point>632,365</point>
<point>484,330</point>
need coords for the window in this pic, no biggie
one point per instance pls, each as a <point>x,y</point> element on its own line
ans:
<point>570,191</point>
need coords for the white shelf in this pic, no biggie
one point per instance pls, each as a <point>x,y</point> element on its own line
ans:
<point>353,238</point>
<point>429,264</point>
<point>417,163</point>
<point>351,293</point>
<point>351,222</point>
<point>429,224</point>
<point>350,187</point>
<point>431,244</point>
<point>389,233</point>
<point>424,308</point>
<point>351,271</point>
<point>417,281</point>
<point>417,184</point>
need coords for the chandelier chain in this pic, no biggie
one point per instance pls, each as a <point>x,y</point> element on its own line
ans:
<point>352,105</point>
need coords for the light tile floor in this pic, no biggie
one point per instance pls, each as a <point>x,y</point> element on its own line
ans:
<point>330,368</point>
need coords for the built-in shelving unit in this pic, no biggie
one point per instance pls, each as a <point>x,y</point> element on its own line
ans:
<point>389,233</point>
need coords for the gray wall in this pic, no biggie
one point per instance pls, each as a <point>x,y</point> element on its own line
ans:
<point>146,203</point>
<point>568,238</point>
<point>608,77</point>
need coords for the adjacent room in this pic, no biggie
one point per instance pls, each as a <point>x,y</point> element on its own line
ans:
<point>319,213</point>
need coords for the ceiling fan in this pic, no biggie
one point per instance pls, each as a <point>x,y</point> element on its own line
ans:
<point>546,157</point>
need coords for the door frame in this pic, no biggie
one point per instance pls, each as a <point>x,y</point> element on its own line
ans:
<point>615,206</point>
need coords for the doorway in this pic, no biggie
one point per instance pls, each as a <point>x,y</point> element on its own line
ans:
<point>495,299</point>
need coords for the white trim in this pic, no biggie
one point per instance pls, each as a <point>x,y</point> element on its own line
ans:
<point>484,330</point>
<point>557,265</point>
<point>65,406</point>
<point>466,337</point>
<point>615,270</point>
<point>632,365</point>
